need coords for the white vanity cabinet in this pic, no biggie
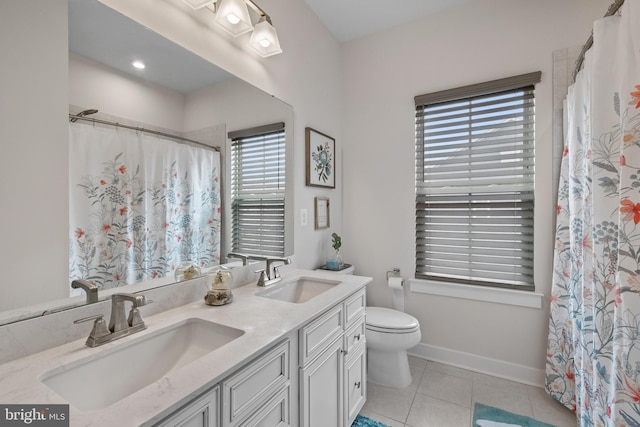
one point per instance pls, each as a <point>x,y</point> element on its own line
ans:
<point>333,365</point>
<point>257,395</point>
<point>314,377</point>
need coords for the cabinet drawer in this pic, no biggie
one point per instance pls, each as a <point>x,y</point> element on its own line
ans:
<point>354,307</point>
<point>320,333</point>
<point>203,412</point>
<point>274,413</point>
<point>354,336</point>
<point>247,390</point>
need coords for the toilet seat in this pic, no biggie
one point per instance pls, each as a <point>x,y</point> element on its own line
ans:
<point>385,320</point>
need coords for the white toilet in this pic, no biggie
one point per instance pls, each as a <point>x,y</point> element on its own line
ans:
<point>389,333</point>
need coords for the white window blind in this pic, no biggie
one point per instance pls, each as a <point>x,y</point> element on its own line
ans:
<point>475,182</point>
<point>258,190</point>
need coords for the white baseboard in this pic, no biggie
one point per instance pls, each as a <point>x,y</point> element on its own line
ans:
<point>484,365</point>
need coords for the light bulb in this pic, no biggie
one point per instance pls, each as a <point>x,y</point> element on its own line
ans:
<point>233,19</point>
<point>264,39</point>
<point>139,65</point>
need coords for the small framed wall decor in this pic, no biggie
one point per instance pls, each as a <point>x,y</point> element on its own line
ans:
<point>320,159</point>
<point>321,213</point>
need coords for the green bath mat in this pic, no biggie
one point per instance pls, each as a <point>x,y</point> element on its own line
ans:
<point>488,416</point>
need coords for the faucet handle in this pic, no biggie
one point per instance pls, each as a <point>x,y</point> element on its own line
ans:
<point>134,317</point>
<point>261,279</point>
<point>99,326</point>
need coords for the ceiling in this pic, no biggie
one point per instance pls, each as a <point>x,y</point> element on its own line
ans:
<point>92,35</point>
<point>103,35</point>
<point>351,19</point>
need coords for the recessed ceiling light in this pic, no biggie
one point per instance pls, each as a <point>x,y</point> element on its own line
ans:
<point>139,65</point>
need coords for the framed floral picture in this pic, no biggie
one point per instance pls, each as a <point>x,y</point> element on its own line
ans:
<point>320,159</point>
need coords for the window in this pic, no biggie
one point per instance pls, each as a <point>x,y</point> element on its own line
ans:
<point>475,182</point>
<point>258,190</point>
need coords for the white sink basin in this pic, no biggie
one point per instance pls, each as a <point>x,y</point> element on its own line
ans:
<point>95,383</point>
<point>299,290</point>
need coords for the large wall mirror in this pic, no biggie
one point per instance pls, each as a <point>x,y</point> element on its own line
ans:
<point>178,92</point>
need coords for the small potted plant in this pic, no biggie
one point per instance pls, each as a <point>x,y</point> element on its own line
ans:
<point>334,262</point>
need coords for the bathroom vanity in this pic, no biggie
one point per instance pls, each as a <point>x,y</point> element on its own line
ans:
<point>286,355</point>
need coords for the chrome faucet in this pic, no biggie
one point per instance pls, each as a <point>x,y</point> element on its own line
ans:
<point>270,274</point>
<point>119,325</point>
<point>89,288</point>
<point>118,320</point>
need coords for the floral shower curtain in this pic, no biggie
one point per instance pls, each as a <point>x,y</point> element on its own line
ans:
<point>140,205</point>
<point>593,356</point>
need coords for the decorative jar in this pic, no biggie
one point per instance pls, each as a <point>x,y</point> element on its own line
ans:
<point>219,291</point>
<point>334,261</point>
<point>187,271</point>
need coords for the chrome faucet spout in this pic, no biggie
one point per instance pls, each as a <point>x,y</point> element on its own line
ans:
<point>89,288</point>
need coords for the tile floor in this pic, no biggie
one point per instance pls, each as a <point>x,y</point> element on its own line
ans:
<point>443,396</point>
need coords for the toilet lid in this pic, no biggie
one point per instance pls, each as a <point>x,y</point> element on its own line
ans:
<point>380,318</point>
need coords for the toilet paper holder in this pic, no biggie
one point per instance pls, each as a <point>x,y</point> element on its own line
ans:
<point>395,271</point>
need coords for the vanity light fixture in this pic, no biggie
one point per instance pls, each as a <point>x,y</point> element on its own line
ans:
<point>233,17</point>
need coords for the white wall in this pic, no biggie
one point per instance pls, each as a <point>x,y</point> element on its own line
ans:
<point>33,136</point>
<point>93,85</point>
<point>473,43</point>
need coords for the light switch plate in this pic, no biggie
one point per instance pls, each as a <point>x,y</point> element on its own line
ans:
<point>304,217</point>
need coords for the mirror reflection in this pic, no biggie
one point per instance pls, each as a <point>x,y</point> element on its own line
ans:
<point>177,93</point>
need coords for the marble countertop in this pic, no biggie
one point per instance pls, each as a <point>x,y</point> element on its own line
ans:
<point>263,320</point>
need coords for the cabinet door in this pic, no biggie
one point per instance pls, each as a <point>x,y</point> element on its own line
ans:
<point>203,412</point>
<point>355,383</point>
<point>321,389</point>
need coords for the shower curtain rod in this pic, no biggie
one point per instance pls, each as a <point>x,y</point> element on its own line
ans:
<point>612,10</point>
<point>139,129</point>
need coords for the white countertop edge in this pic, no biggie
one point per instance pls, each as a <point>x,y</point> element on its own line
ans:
<point>265,322</point>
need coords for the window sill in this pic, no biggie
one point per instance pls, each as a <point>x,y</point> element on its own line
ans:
<point>478,293</point>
